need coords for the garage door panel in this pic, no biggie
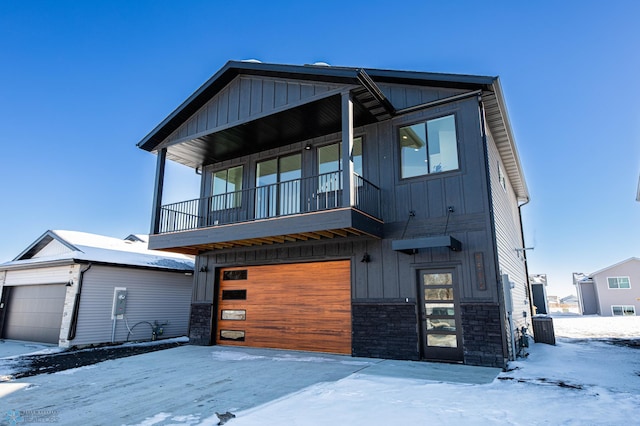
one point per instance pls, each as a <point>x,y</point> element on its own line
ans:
<point>34,313</point>
<point>295,306</point>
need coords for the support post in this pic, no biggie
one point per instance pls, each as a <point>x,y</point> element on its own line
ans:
<point>348,196</point>
<point>157,193</point>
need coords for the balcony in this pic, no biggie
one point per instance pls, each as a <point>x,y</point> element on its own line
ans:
<point>310,208</point>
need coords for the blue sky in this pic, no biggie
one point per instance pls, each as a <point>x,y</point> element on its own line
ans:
<point>81,82</point>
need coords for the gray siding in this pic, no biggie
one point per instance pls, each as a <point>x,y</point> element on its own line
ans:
<point>402,96</point>
<point>151,296</point>
<point>607,297</point>
<point>391,274</point>
<point>247,98</point>
<point>509,237</point>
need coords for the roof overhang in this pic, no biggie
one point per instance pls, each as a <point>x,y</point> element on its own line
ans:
<point>499,125</point>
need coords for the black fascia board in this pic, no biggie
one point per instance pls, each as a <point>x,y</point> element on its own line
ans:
<point>461,81</point>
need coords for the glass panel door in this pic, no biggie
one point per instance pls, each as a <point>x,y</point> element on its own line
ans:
<point>290,172</point>
<point>266,180</point>
<point>440,319</point>
<point>278,186</point>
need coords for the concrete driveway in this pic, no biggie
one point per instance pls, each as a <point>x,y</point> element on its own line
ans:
<point>189,384</point>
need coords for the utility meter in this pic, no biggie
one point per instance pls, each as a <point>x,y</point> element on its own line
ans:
<point>119,301</point>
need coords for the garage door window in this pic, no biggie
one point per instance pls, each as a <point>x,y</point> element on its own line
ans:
<point>234,314</point>
<point>234,294</point>
<point>235,335</point>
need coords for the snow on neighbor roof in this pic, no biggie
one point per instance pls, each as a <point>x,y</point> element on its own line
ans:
<point>83,246</point>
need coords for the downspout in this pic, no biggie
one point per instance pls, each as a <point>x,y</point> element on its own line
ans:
<point>526,262</point>
<point>76,305</point>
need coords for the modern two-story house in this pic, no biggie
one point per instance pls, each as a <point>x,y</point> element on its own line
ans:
<point>347,210</point>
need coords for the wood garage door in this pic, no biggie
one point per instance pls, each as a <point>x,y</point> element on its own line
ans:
<point>34,313</point>
<point>303,306</point>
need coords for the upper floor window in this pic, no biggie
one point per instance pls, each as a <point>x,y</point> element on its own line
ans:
<point>225,188</point>
<point>619,282</point>
<point>278,186</point>
<point>501,177</point>
<point>330,164</point>
<point>429,147</point>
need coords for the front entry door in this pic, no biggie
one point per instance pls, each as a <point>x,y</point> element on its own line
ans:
<point>440,315</point>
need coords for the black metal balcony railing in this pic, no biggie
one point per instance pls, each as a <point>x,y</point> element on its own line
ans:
<point>306,195</point>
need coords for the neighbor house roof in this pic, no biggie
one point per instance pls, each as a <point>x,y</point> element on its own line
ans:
<point>495,110</point>
<point>60,246</point>
<point>631,259</point>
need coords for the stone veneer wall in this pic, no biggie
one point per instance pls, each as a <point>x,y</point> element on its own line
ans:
<point>482,335</point>
<point>385,330</point>
<point>200,324</point>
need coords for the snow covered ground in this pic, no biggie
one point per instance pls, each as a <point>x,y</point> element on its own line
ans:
<point>584,379</point>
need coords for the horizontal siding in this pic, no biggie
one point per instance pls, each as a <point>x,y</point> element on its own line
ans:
<point>509,238</point>
<point>151,296</point>
<point>628,296</point>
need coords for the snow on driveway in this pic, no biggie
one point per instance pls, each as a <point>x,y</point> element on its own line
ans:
<point>575,382</point>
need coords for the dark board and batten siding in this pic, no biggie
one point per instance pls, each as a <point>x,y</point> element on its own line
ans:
<point>151,296</point>
<point>387,284</point>
<point>248,97</point>
<point>389,274</point>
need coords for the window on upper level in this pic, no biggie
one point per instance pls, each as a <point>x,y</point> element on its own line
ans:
<point>330,164</point>
<point>225,188</point>
<point>619,282</point>
<point>501,177</point>
<point>429,147</point>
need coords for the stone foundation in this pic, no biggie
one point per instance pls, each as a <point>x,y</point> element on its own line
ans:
<point>200,324</point>
<point>385,330</point>
<point>482,335</point>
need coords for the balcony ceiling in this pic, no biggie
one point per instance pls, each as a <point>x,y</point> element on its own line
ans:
<point>306,121</point>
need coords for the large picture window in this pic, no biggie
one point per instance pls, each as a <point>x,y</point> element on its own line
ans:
<point>619,282</point>
<point>429,147</point>
<point>226,189</point>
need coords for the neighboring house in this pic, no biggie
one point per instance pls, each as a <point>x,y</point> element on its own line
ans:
<point>75,289</point>
<point>539,293</point>
<point>564,305</point>
<point>612,291</point>
<point>358,211</point>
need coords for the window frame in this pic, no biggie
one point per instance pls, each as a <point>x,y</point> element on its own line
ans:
<point>623,308</point>
<point>425,121</point>
<point>501,177</point>
<point>617,278</point>
<point>232,199</point>
<point>323,185</point>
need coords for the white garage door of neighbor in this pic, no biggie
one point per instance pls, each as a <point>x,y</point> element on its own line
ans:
<point>34,313</point>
